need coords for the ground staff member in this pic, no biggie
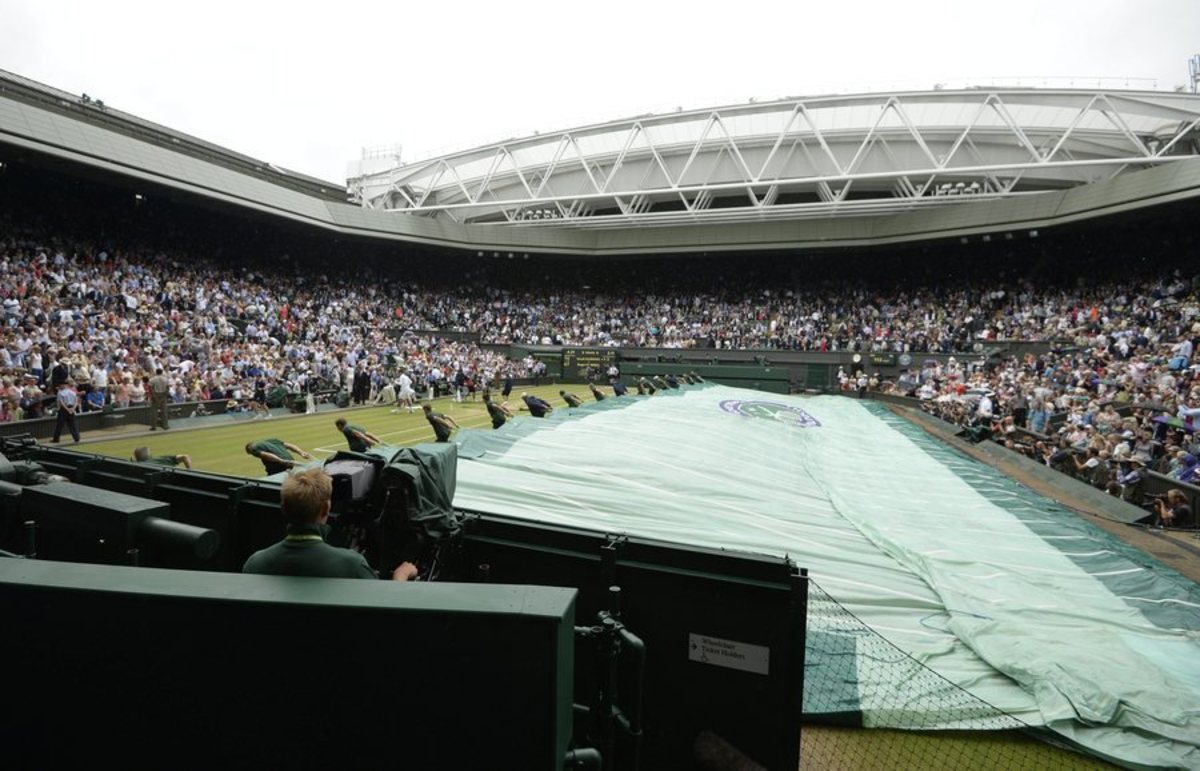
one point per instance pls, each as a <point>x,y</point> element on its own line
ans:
<point>359,438</point>
<point>442,425</point>
<point>499,413</point>
<point>142,455</point>
<point>276,454</point>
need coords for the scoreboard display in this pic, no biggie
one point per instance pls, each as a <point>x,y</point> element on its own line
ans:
<point>575,361</point>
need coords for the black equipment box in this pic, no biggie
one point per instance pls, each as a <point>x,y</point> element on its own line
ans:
<point>89,511</point>
<point>352,479</point>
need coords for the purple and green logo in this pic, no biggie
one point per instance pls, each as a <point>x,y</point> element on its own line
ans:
<point>784,413</point>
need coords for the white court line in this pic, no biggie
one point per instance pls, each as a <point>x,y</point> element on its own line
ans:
<point>1171,600</point>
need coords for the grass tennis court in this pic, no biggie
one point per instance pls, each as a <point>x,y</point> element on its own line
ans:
<point>220,448</point>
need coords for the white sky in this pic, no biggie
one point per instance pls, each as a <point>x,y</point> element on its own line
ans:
<point>306,85</point>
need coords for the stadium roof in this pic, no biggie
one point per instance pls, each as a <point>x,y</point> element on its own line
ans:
<point>31,92</point>
<point>819,157</point>
<point>801,174</point>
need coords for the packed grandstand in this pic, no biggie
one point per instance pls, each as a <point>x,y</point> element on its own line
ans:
<point>110,302</point>
<point>1073,344</point>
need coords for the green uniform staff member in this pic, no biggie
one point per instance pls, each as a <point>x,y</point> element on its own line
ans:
<point>499,413</point>
<point>306,498</point>
<point>359,438</point>
<point>442,425</point>
<point>275,454</point>
<point>160,388</point>
<point>571,399</point>
<point>142,455</point>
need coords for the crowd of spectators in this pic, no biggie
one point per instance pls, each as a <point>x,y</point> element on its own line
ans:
<point>908,303</point>
<point>105,312</point>
<point>105,319</point>
<point>1119,398</point>
<point>830,317</point>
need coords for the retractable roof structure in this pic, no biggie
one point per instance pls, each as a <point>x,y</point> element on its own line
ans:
<point>795,175</point>
<point>804,158</point>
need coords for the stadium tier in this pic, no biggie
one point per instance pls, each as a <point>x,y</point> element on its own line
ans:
<point>800,173</point>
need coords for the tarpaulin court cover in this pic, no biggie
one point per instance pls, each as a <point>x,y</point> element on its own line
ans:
<point>1000,591</point>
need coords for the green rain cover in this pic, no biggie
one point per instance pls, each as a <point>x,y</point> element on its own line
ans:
<point>999,590</point>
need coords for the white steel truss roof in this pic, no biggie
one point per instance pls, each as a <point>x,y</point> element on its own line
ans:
<point>801,158</point>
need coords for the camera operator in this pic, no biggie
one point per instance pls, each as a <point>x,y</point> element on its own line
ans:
<point>1172,510</point>
<point>306,501</point>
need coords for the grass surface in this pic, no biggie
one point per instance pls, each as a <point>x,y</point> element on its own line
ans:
<point>221,449</point>
<point>878,749</point>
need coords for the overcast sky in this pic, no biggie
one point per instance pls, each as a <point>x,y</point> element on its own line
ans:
<point>308,85</point>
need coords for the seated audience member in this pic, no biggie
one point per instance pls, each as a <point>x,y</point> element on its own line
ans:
<point>1094,468</point>
<point>93,399</point>
<point>1131,475</point>
<point>306,499</point>
<point>1187,469</point>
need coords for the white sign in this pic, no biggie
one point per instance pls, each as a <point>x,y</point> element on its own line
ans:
<point>729,653</point>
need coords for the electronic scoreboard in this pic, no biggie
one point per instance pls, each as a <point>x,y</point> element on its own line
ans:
<point>575,361</point>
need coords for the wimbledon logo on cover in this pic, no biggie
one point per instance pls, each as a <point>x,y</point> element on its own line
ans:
<point>784,413</point>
